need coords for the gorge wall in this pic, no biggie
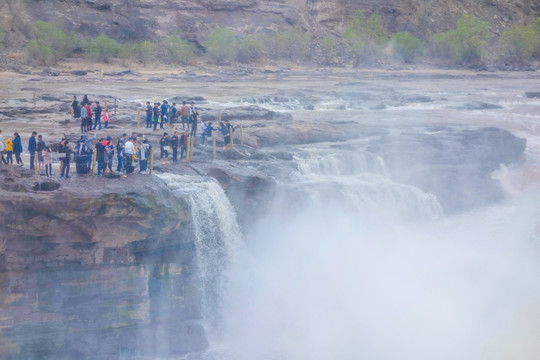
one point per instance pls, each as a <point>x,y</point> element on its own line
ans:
<point>83,265</point>
<point>127,20</point>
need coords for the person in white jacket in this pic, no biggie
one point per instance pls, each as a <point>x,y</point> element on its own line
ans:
<point>2,149</point>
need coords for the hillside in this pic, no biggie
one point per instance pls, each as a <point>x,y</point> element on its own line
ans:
<point>128,20</point>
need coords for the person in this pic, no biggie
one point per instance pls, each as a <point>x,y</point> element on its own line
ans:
<point>2,148</point>
<point>184,141</point>
<point>89,116</point>
<point>184,115</point>
<point>67,150</point>
<point>81,157</point>
<point>83,119</point>
<point>106,119</point>
<point>100,156</point>
<point>225,132</point>
<point>194,115</point>
<point>47,160</point>
<point>155,112</point>
<point>41,145</point>
<point>203,132</point>
<point>85,101</point>
<point>97,116</point>
<point>144,155</point>
<point>9,151</point>
<point>76,108</point>
<point>120,145</point>
<point>88,143</point>
<point>129,152</point>
<point>109,154</point>
<point>172,115</point>
<point>32,146</point>
<point>164,147</point>
<point>164,114</point>
<point>148,115</point>
<point>209,131</point>
<point>174,146</point>
<point>17,148</point>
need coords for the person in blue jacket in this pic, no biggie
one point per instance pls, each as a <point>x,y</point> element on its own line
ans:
<point>32,146</point>
<point>17,148</point>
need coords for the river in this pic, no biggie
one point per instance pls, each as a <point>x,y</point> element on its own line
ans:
<point>349,263</point>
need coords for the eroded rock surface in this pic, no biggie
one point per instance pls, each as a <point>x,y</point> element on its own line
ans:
<point>84,263</point>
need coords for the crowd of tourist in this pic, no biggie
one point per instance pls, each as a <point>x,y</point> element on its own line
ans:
<point>130,152</point>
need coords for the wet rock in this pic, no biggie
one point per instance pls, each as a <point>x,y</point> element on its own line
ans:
<point>51,72</point>
<point>252,112</point>
<point>479,105</point>
<point>248,190</point>
<point>450,163</point>
<point>532,95</point>
<point>79,72</point>
<point>122,73</point>
<point>188,99</point>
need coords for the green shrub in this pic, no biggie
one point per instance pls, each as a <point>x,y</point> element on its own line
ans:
<point>518,43</point>
<point>365,36</point>
<point>39,52</point>
<point>179,50</point>
<point>144,51</point>
<point>406,46</point>
<point>292,44</point>
<point>328,47</point>
<point>250,49</point>
<point>50,43</point>
<point>466,44</point>
<point>221,46</point>
<point>103,48</point>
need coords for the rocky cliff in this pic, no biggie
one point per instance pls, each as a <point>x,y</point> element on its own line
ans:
<point>82,265</point>
<point>127,20</point>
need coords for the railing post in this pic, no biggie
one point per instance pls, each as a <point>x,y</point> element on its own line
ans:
<point>36,166</point>
<point>241,135</point>
<point>151,160</point>
<point>188,148</point>
<point>138,118</point>
<point>94,154</point>
<point>213,147</point>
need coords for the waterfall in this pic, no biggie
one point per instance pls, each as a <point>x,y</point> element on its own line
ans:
<point>216,234</point>
<point>360,179</point>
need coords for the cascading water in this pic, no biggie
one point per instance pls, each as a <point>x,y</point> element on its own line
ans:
<point>333,281</point>
<point>361,178</point>
<point>216,235</point>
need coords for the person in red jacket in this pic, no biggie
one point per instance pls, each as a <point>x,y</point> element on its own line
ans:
<point>89,116</point>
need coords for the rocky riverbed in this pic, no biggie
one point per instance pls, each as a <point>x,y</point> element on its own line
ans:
<point>93,267</point>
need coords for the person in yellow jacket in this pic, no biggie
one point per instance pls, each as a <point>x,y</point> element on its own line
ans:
<point>9,151</point>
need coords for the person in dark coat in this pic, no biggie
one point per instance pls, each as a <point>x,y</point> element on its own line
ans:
<point>32,146</point>
<point>41,145</point>
<point>17,148</point>
<point>174,145</point>
<point>97,116</point>
<point>164,147</point>
<point>76,108</point>
<point>100,156</point>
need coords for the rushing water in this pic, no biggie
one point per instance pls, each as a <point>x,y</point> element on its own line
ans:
<point>349,264</point>
<point>216,235</point>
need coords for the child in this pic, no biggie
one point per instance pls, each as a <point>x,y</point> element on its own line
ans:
<point>106,118</point>
<point>9,150</point>
<point>47,160</point>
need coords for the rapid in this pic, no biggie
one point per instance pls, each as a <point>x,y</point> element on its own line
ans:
<point>349,263</point>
